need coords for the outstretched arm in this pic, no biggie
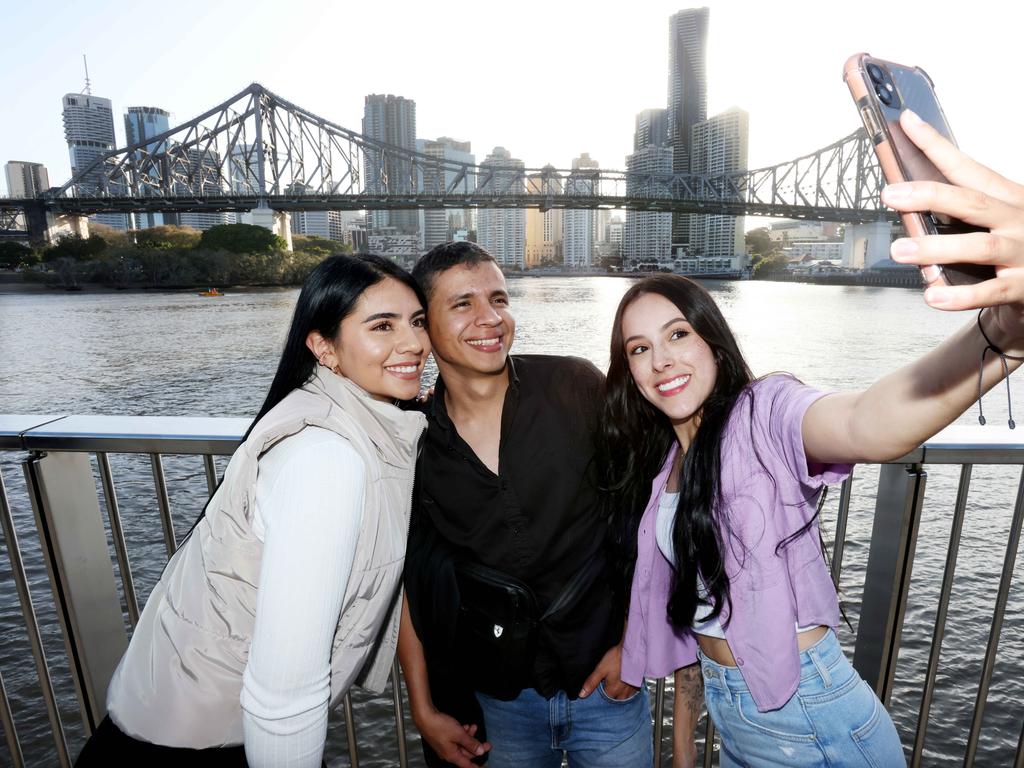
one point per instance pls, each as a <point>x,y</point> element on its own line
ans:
<point>905,408</point>
<point>689,697</point>
<point>451,740</point>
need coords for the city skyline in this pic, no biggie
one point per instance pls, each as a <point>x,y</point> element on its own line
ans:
<point>781,63</point>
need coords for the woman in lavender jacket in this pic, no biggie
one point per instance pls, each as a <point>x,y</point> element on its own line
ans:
<point>717,478</point>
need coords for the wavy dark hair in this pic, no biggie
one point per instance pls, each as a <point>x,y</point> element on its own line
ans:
<point>637,439</point>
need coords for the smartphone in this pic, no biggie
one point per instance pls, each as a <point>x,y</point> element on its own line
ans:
<point>882,90</point>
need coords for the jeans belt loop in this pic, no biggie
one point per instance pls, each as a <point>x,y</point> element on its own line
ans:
<point>819,665</point>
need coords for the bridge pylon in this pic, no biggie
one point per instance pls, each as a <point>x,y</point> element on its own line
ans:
<point>278,222</point>
<point>864,245</point>
<point>46,227</point>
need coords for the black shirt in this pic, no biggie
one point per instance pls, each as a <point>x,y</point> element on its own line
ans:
<point>538,518</point>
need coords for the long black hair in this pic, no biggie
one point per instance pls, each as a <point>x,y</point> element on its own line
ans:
<point>328,296</point>
<point>637,439</point>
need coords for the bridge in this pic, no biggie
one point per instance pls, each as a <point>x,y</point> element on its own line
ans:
<point>259,152</point>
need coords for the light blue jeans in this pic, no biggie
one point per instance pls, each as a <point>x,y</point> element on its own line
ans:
<point>596,732</point>
<point>834,719</point>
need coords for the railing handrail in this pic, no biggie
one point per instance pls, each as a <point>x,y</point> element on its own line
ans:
<point>122,434</point>
<point>957,444</point>
<point>62,487</point>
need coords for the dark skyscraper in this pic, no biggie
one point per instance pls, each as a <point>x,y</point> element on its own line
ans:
<point>141,123</point>
<point>687,97</point>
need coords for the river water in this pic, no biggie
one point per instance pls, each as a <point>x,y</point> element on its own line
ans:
<point>181,354</point>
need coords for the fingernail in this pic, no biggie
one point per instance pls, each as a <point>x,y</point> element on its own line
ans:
<point>938,297</point>
<point>479,750</point>
<point>896,192</point>
<point>903,247</point>
<point>915,119</point>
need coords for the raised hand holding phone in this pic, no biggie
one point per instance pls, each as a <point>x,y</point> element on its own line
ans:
<point>979,196</point>
<point>882,91</point>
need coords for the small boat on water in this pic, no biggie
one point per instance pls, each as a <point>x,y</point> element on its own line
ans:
<point>211,292</point>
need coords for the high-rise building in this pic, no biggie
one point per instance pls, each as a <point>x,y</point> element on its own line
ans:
<point>25,179</point>
<point>579,224</point>
<point>647,236</point>
<point>544,228</point>
<point>141,123</point>
<point>438,224</point>
<point>651,129</point>
<point>328,224</point>
<point>502,231</point>
<point>243,169</point>
<point>719,147</point>
<point>205,180</point>
<point>89,131</point>
<point>687,98</point>
<point>391,120</point>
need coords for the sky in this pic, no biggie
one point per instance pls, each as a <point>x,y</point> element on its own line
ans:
<point>546,80</point>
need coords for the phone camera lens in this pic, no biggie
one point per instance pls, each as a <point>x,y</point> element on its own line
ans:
<point>876,74</point>
<point>884,95</point>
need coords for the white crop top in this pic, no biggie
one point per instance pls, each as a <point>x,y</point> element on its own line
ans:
<point>667,505</point>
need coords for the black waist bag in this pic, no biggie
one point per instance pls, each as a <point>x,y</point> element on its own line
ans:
<point>496,636</point>
<point>499,622</point>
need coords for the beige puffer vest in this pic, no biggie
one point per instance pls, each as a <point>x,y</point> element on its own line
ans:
<point>180,680</point>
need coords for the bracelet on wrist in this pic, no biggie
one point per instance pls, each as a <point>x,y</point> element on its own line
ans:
<point>1003,357</point>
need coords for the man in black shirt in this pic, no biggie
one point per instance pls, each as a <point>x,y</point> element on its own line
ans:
<point>506,480</point>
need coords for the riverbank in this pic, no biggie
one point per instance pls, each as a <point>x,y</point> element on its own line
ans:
<point>14,282</point>
<point>19,286</point>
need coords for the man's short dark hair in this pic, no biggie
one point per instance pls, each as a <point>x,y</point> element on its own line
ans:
<point>443,257</point>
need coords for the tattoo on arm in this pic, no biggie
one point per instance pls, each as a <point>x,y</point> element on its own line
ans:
<point>690,688</point>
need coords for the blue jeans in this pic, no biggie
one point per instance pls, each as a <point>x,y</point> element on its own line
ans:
<point>834,718</point>
<point>596,732</point>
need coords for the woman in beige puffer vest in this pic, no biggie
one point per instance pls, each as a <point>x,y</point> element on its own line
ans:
<point>285,592</point>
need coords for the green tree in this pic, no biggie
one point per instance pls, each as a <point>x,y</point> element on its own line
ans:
<point>759,243</point>
<point>771,264</point>
<point>14,255</point>
<point>109,235</point>
<point>319,245</point>
<point>168,236</point>
<point>75,248</point>
<point>241,238</point>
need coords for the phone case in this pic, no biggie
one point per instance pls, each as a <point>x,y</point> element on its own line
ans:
<point>898,157</point>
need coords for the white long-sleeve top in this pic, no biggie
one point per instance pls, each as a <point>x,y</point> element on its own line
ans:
<point>308,512</point>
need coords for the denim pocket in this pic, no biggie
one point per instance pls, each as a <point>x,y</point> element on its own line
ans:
<point>790,723</point>
<point>877,739</point>
<point>606,697</point>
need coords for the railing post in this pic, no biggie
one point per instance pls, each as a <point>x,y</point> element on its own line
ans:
<point>74,546</point>
<point>887,580</point>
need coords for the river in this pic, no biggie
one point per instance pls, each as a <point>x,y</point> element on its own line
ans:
<point>176,353</point>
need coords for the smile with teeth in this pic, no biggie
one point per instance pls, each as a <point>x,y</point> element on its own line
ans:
<point>496,341</point>
<point>673,386</point>
<point>405,370</point>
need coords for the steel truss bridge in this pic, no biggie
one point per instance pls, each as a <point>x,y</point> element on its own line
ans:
<point>258,150</point>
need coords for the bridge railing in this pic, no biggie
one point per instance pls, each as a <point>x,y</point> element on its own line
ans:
<point>66,511</point>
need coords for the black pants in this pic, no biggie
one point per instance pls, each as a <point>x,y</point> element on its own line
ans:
<point>110,747</point>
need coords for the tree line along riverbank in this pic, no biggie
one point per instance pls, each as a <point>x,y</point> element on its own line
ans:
<point>168,257</point>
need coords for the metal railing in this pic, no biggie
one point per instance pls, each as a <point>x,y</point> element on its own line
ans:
<point>92,603</point>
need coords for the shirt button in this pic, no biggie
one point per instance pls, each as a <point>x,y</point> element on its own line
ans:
<point>739,662</point>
